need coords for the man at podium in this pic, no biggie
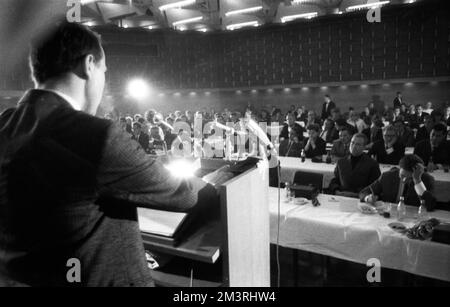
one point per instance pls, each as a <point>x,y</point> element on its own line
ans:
<point>70,182</point>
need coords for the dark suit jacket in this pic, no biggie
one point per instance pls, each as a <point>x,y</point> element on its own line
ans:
<point>422,134</point>
<point>321,148</point>
<point>378,149</point>
<point>351,179</point>
<point>326,111</point>
<point>407,138</point>
<point>386,188</point>
<point>69,187</point>
<point>295,150</point>
<point>441,155</point>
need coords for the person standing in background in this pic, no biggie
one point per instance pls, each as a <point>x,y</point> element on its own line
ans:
<point>398,101</point>
<point>327,106</point>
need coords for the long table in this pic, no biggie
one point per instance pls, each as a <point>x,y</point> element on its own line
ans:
<point>338,229</point>
<point>290,165</point>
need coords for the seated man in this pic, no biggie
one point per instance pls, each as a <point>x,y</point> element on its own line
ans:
<point>409,181</point>
<point>405,134</point>
<point>436,148</point>
<point>389,150</point>
<point>291,147</point>
<point>315,147</point>
<point>355,171</point>
<point>329,133</point>
<point>341,146</point>
<point>291,124</point>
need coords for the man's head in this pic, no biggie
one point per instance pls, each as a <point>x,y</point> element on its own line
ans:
<point>407,165</point>
<point>412,109</point>
<point>419,108</point>
<point>70,55</point>
<point>156,133</point>
<point>327,98</point>
<point>399,95</point>
<point>344,135</point>
<point>150,116</point>
<point>389,135</point>
<point>313,131</point>
<point>340,124</point>
<point>290,117</point>
<point>438,134</point>
<point>311,115</point>
<point>357,144</point>
<point>429,105</point>
<point>329,123</point>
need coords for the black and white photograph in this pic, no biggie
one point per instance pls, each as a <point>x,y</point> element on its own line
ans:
<point>236,147</point>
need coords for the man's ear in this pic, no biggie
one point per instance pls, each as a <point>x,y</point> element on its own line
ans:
<point>87,67</point>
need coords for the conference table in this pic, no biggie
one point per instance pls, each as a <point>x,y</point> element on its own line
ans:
<point>338,229</point>
<point>290,165</point>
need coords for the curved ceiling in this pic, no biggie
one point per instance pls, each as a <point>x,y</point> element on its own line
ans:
<point>209,15</point>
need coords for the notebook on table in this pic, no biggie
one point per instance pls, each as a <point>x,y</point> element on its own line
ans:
<point>161,226</point>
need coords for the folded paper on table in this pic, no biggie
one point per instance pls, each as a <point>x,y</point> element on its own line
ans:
<point>159,222</point>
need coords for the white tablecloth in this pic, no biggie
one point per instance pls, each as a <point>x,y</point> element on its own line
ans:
<point>338,229</point>
<point>291,165</point>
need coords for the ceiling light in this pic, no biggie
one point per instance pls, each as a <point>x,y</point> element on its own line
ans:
<point>150,27</point>
<point>202,30</point>
<point>178,4</point>
<point>243,11</point>
<point>243,24</point>
<point>125,26</point>
<point>367,6</point>
<point>297,16</point>
<point>189,20</point>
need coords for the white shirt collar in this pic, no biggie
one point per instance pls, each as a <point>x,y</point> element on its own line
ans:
<point>69,99</point>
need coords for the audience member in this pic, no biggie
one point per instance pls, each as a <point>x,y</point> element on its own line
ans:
<point>356,171</point>
<point>315,147</point>
<point>409,181</point>
<point>436,149</point>
<point>341,146</point>
<point>389,150</point>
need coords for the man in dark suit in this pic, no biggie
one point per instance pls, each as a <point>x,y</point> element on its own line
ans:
<point>70,182</point>
<point>291,124</point>
<point>329,132</point>
<point>356,171</point>
<point>327,106</point>
<point>291,147</point>
<point>341,146</point>
<point>140,136</point>
<point>389,150</point>
<point>315,147</point>
<point>436,148</point>
<point>408,181</point>
<point>398,100</point>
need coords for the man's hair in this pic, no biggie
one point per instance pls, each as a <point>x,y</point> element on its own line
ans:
<point>418,105</point>
<point>399,93</point>
<point>361,136</point>
<point>62,49</point>
<point>327,95</point>
<point>137,124</point>
<point>314,127</point>
<point>440,127</point>
<point>408,162</point>
<point>341,122</point>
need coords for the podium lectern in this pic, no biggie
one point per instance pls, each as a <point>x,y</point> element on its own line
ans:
<point>231,251</point>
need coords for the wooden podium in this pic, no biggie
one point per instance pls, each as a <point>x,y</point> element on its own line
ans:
<point>234,250</point>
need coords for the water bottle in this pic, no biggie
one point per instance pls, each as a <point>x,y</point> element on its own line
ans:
<point>303,155</point>
<point>287,189</point>
<point>422,212</point>
<point>328,159</point>
<point>401,209</point>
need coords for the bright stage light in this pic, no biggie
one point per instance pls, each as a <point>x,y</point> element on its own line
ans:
<point>183,168</point>
<point>138,89</point>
